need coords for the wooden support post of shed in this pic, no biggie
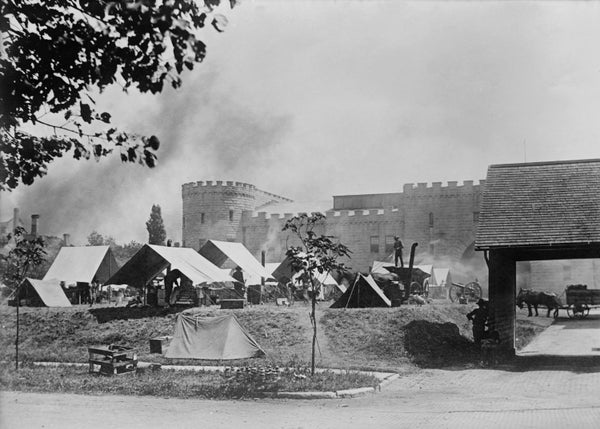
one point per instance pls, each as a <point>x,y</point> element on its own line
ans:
<point>502,289</point>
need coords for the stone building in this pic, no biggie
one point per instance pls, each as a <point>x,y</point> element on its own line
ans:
<point>442,219</point>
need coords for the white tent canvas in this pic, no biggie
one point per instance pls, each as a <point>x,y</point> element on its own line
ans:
<point>218,252</point>
<point>49,292</point>
<point>151,260</point>
<point>83,264</point>
<point>441,277</point>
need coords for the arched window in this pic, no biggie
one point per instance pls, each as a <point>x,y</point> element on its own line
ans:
<point>430,220</point>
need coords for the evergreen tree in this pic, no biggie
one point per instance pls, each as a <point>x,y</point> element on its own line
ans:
<point>156,227</point>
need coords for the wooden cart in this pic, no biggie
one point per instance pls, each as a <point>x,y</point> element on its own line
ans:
<point>580,299</point>
<point>112,359</point>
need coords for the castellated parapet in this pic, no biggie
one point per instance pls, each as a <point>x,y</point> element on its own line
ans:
<point>213,209</point>
<point>442,219</point>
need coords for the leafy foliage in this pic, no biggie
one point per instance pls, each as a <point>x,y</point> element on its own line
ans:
<point>315,254</point>
<point>97,239</point>
<point>156,227</point>
<point>56,54</point>
<point>122,252</point>
<point>27,253</point>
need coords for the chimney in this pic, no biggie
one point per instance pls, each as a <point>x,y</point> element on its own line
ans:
<point>34,222</point>
<point>15,219</point>
<point>66,239</point>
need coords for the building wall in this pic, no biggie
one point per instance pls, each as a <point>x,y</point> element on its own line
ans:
<point>554,276</point>
<point>442,219</point>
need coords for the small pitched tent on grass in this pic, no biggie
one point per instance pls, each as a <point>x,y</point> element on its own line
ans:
<point>363,293</point>
<point>211,338</point>
<point>83,264</point>
<point>39,293</point>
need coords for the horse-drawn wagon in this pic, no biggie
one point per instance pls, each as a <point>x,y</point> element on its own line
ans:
<point>580,299</point>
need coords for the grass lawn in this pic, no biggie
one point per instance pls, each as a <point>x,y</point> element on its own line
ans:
<point>400,339</point>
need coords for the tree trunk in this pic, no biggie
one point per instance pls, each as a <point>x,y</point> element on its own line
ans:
<point>17,338</point>
<point>314,339</point>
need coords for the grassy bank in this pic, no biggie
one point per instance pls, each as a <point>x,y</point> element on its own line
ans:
<point>395,339</point>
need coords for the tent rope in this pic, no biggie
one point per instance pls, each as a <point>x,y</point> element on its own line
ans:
<point>351,291</point>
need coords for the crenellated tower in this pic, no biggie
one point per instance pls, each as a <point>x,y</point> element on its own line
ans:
<point>213,210</point>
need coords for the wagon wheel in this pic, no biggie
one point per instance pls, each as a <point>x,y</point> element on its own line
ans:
<point>579,311</point>
<point>416,288</point>
<point>455,293</point>
<point>473,291</point>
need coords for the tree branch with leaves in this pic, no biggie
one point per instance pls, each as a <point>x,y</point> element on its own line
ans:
<point>316,254</point>
<point>56,55</point>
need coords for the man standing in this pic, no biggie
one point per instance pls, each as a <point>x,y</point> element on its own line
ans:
<point>239,285</point>
<point>479,317</point>
<point>398,252</point>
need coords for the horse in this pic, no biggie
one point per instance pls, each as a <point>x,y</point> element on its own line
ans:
<point>534,298</point>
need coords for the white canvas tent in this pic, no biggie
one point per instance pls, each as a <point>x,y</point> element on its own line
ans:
<point>325,279</point>
<point>43,292</point>
<point>363,293</point>
<point>256,279</point>
<point>151,260</point>
<point>283,273</point>
<point>218,252</point>
<point>83,264</point>
<point>441,277</point>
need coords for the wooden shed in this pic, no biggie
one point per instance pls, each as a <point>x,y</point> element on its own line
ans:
<point>531,212</point>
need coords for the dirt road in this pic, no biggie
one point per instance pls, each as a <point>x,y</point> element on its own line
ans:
<point>438,399</point>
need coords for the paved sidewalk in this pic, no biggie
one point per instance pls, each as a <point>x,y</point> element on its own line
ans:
<point>568,337</point>
<point>473,398</point>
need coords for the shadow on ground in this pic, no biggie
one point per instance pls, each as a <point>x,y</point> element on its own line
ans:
<point>108,314</point>
<point>438,345</point>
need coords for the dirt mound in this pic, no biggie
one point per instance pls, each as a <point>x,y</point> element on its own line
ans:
<point>389,338</point>
<point>437,344</point>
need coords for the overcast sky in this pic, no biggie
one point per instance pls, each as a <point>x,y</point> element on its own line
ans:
<point>312,99</point>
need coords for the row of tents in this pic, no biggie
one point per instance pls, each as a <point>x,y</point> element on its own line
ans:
<point>80,266</point>
<point>86,264</point>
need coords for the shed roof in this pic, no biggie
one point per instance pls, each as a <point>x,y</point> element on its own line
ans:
<point>540,204</point>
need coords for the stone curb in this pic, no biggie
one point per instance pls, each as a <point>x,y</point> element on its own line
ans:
<point>352,393</point>
<point>387,380</point>
<point>306,395</point>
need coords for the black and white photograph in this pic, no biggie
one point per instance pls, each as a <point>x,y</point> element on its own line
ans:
<point>299,214</point>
